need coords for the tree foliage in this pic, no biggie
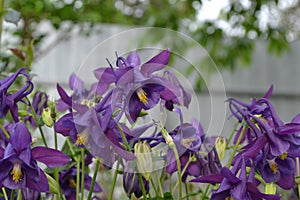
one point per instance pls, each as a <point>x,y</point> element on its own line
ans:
<point>230,39</point>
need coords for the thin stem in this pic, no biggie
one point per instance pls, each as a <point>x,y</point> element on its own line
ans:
<point>205,192</point>
<point>142,186</point>
<point>37,122</point>
<point>236,146</point>
<point>173,147</point>
<point>12,194</point>
<point>19,195</point>
<point>82,173</point>
<point>114,182</point>
<point>232,134</point>
<point>123,138</point>
<point>159,184</point>
<point>77,178</point>
<point>4,131</point>
<point>154,187</point>
<point>186,190</point>
<point>4,193</point>
<point>184,169</point>
<point>94,178</point>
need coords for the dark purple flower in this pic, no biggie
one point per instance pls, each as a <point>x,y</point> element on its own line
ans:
<point>235,184</point>
<point>132,185</point>
<point>19,162</point>
<point>8,100</point>
<point>67,180</point>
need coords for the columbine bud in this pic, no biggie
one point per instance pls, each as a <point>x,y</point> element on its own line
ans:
<point>132,185</point>
<point>46,116</point>
<point>270,188</point>
<point>221,147</point>
<point>142,152</point>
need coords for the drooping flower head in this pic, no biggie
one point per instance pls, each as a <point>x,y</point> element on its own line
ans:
<point>8,99</point>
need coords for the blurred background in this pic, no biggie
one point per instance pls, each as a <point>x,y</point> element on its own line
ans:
<point>252,43</point>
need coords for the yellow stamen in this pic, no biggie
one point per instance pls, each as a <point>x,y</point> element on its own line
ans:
<point>142,96</point>
<point>72,183</point>
<point>283,156</point>
<point>273,167</point>
<point>229,198</point>
<point>82,137</point>
<point>16,172</point>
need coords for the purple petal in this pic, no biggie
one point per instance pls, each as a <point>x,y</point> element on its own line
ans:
<point>20,137</point>
<point>286,182</point>
<point>213,178</point>
<point>269,92</point>
<point>156,63</point>
<point>289,128</point>
<point>88,182</point>
<point>133,59</point>
<point>229,175</point>
<point>296,119</point>
<point>256,147</point>
<point>105,75</point>
<point>50,157</point>
<point>40,185</point>
<point>75,83</point>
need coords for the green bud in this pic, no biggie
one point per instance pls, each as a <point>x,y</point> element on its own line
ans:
<point>143,154</point>
<point>221,147</point>
<point>53,185</point>
<point>46,117</point>
<point>23,113</point>
<point>270,188</point>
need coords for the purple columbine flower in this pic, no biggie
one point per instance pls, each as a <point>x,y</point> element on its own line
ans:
<point>8,101</point>
<point>19,169</point>
<point>191,143</point>
<point>93,128</point>
<point>67,180</point>
<point>235,184</point>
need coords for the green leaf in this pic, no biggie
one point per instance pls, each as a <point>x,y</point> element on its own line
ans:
<point>12,16</point>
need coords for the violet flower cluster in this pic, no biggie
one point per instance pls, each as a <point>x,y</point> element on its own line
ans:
<point>106,130</point>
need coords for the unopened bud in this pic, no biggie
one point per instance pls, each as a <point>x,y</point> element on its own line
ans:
<point>46,117</point>
<point>143,154</point>
<point>221,147</point>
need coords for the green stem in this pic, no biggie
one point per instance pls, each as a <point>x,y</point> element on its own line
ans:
<point>173,147</point>
<point>184,169</point>
<point>4,131</point>
<point>154,187</point>
<point>142,186</point>
<point>114,182</point>
<point>12,194</point>
<point>19,195</point>
<point>236,146</point>
<point>123,138</point>
<point>94,178</point>
<point>159,184</point>
<point>186,190</point>
<point>4,193</point>
<point>82,173</point>
<point>77,178</point>
<point>232,134</point>
<point>205,192</point>
<point>37,122</point>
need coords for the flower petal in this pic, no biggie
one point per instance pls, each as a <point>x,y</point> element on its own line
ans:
<point>50,157</point>
<point>20,137</point>
<point>156,63</point>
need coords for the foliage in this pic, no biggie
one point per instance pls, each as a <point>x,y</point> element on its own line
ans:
<point>230,39</point>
